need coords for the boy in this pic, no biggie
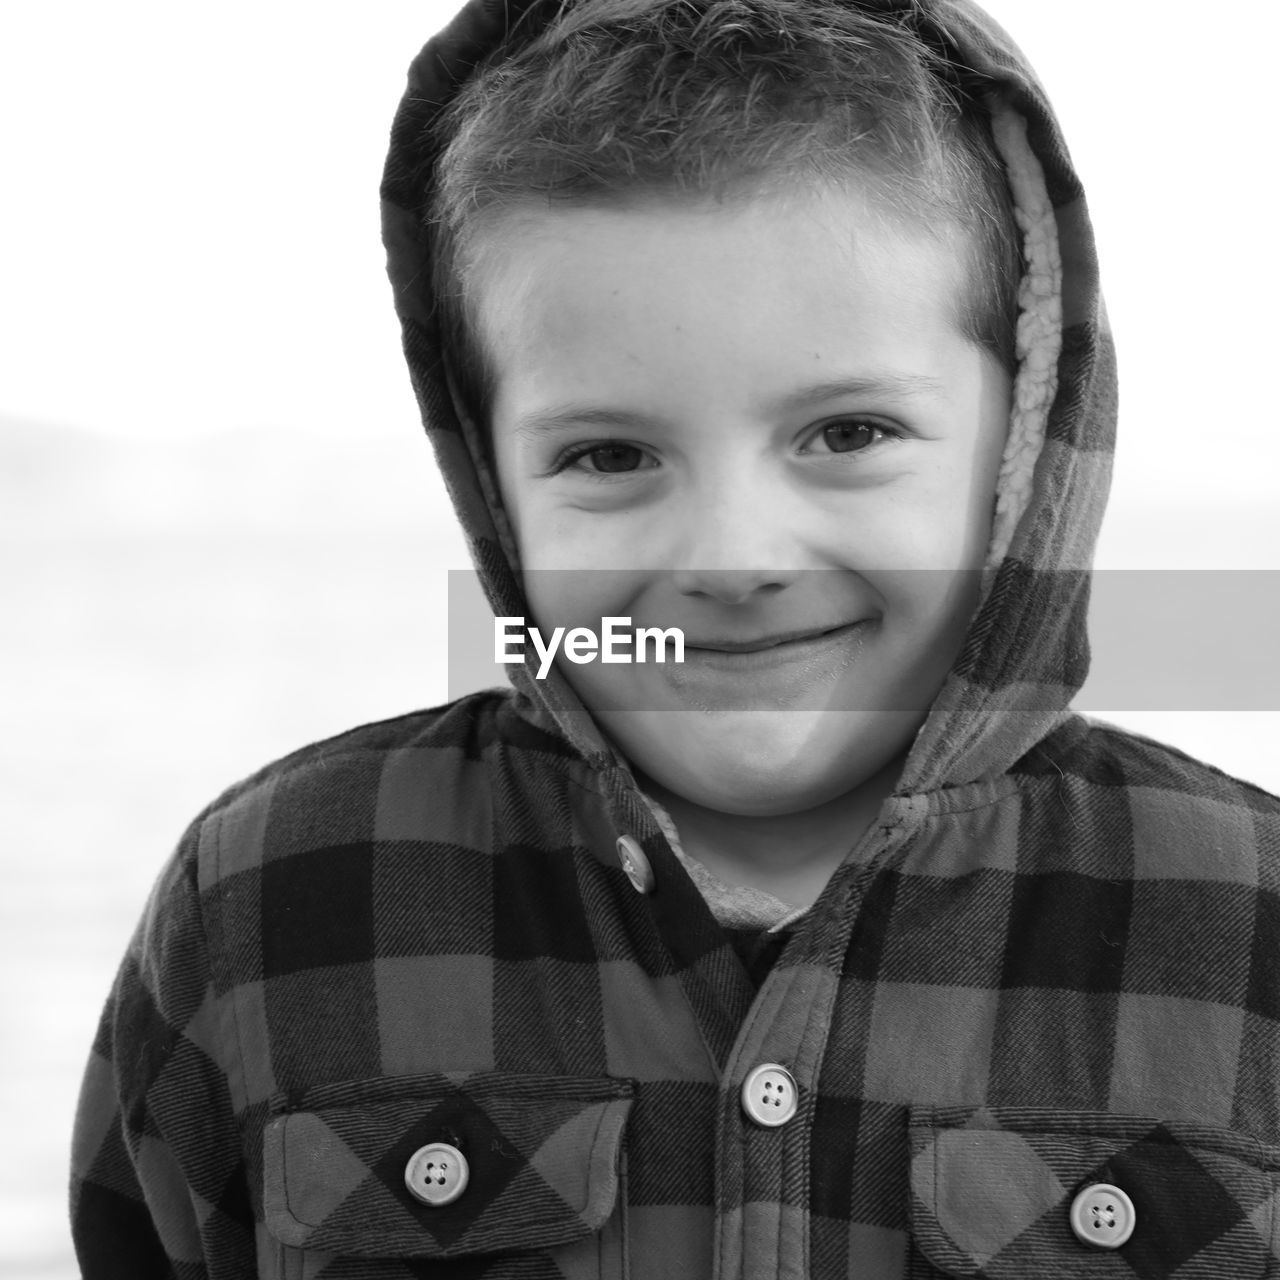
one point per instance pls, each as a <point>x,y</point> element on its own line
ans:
<point>842,948</point>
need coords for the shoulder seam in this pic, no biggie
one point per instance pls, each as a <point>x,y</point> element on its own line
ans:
<point>325,749</point>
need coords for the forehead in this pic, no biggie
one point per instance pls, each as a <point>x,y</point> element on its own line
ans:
<point>667,297</point>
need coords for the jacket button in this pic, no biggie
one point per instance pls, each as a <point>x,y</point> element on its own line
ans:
<point>635,864</point>
<point>769,1095</point>
<point>1102,1216</point>
<point>437,1174</point>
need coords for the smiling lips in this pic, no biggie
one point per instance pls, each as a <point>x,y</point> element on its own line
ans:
<point>762,643</point>
<point>766,653</point>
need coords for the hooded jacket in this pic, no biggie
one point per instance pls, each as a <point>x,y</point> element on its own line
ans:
<point>1035,1007</point>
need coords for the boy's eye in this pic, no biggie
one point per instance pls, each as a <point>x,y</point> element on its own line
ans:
<point>851,435</point>
<point>606,459</point>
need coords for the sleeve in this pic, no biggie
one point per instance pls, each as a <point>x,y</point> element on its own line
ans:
<point>158,1182</point>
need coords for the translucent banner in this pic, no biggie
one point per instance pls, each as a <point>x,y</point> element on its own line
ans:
<point>1160,640</point>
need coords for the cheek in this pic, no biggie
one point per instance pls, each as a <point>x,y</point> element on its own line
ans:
<point>558,531</point>
<point>552,543</point>
<point>964,518</point>
<point>555,597</point>
<point>562,594</point>
<point>956,506</point>
<point>538,527</point>
<point>926,611</point>
<point>914,537</point>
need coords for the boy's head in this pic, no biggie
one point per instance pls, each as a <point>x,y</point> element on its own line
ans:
<point>624,101</point>
<point>733,298</point>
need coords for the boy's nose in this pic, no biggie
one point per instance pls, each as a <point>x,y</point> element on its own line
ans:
<point>731,586</point>
<point>735,547</point>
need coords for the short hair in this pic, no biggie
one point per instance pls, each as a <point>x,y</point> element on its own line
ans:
<point>618,100</point>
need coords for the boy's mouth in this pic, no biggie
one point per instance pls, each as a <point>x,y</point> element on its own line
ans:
<point>814,654</point>
<point>761,644</point>
<point>785,670</point>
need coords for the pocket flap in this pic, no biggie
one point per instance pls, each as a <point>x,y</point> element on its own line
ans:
<point>542,1154</point>
<point>992,1190</point>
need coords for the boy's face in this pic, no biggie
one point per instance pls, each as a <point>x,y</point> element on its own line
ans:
<point>747,421</point>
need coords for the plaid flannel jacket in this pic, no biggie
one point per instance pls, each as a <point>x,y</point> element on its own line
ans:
<point>420,932</point>
<point>1051,965</point>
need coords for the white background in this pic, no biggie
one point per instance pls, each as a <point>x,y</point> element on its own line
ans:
<point>223,534</point>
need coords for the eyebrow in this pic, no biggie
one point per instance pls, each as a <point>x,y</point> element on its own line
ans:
<point>898,386</point>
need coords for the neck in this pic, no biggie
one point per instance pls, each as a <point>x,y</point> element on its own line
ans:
<point>789,855</point>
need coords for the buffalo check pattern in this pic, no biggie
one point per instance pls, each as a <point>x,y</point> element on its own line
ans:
<point>542,1156</point>
<point>1054,960</point>
<point>420,932</point>
<point>991,1189</point>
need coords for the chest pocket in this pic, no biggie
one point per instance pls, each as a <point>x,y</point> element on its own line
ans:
<point>499,1164</point>
<point>993,1193</point>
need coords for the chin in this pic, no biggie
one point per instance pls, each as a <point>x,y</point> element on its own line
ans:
<point>761,763</point>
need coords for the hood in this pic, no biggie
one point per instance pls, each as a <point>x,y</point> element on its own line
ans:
<point>1026,651</point>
